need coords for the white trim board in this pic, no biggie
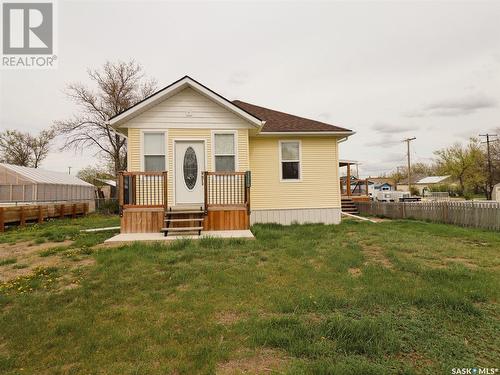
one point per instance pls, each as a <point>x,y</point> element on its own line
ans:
<point>318,133</point>
<point>288,180</point>
<point>173,89</point>
<point>236,155</point>
<point>141,146</point>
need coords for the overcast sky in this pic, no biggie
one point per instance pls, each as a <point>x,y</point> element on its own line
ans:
<point>386,70</point>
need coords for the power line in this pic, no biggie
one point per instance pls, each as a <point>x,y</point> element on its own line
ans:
<point>490,172</point>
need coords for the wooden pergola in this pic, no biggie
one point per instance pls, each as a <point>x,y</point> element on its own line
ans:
<point>359,183</point>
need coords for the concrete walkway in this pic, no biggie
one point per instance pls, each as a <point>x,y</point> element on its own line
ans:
<point>155,237</point>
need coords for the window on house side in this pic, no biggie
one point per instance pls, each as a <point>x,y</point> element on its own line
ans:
<point>290,160</point>
<point>154,152</point>
<point>225,154</point>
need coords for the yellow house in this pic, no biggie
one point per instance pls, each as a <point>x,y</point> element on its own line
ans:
<point>197,161</point>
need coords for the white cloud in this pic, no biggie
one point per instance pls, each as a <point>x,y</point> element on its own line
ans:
<point>465,105</point>
<point>383,127</point>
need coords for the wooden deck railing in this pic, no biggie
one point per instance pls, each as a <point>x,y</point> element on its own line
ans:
<point>354,187</point>
<point>143,189</point>
<point>227,189</point>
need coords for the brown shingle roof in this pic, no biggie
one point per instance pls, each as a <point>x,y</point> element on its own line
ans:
<point>283,122</point>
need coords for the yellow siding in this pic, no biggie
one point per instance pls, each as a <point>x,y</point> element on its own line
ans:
<point>135,139</point>
<point>319,186</point>
<point>189,115</point>
<point>134,150</point>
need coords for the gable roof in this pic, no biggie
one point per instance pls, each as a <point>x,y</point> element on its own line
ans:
<point>42,176</point>
<point>414,179</point>
<point>276,121</point>
<point>173,89</point>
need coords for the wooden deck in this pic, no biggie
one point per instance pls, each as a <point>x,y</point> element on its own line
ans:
<point>20,215</point>
<point>145,206</point>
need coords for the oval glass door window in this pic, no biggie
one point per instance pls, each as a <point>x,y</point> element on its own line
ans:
<point>190,168</point>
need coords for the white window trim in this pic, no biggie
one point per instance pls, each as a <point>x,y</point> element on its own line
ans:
<point>164,132</point>
<point>235,135</point>
<point>281,160</point>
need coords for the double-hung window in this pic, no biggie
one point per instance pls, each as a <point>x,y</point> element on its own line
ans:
<point>154,151</point>
<point>225,152</point>
<point>290,160</point>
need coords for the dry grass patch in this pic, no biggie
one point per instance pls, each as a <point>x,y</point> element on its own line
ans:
<point>265,361</point>
<point>227,317</point>
<point>355,272</point>
<point>375,254</point>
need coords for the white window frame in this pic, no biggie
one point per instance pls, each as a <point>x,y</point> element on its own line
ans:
<point>143,155</point>
<point>235,138</point>
<point>281,160</point>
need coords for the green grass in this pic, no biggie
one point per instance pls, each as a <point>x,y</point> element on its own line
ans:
<point>398,297</point>
<point>4,262</point>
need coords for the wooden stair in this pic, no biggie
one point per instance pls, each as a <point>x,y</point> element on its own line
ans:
<point>349,206</point>
<point>183,221</point>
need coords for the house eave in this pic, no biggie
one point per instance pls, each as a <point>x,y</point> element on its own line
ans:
<point>174,88</point>
<point>308,133</point>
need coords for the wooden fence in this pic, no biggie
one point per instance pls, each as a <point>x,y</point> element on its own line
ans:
<point>22,214</point>
<point>468,214</point>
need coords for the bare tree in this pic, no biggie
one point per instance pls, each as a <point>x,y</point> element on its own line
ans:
<point>118,86</point>
<point>25,149</point>
<point>40,146</point>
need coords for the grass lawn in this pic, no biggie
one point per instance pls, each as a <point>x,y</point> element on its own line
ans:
<point>396,297</point>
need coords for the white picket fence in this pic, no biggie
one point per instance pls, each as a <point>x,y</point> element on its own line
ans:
<point>468,213</point>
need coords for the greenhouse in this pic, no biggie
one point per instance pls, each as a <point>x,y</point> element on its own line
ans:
<point>23,184</point>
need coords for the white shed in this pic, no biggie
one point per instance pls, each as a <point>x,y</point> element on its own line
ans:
<point>495,195</point>
<point>23,184</point>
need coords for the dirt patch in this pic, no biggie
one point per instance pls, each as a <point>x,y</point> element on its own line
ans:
<point>355,272</point>
<point>317,263</point>
<point>27,255</point>
<point>265,361</point>
<point>24,248</point>
<point>227,317</point>
<point>375,254</point>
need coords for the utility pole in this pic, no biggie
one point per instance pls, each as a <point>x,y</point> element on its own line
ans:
<point>408,140</point>
<point>490,172</point>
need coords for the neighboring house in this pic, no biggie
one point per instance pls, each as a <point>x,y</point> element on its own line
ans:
<point>403,183</point>
<point>106,188</point>
<point>423,184</point>
<point>237,162</point>
<point>376,186</point>
<point>23,184</point>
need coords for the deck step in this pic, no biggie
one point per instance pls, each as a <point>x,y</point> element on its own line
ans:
<point>183,212</point>
<point>182,229</point>
<point>183,220</point>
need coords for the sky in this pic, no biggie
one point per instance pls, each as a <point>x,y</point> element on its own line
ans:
<point>387,70</point>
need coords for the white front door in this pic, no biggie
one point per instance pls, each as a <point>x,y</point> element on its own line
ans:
<point>189,165</point>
